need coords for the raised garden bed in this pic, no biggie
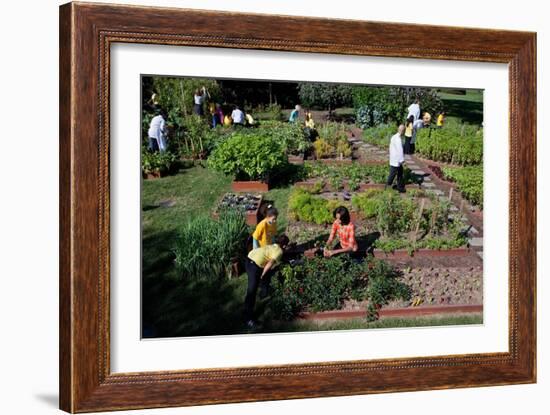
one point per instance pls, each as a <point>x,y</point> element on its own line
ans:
<point>296,159</point>
<point>415,223</point>
<point>455,290</point>
<point>327,187</point>
<point>250,204</point>
<point>249,186</point>
<point>153,175</point>
<point>333,161</point>
<point>422,253</point>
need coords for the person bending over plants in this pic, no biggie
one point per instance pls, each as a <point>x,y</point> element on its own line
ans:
<point>265,231</point>
<point>344,228</point>
<point>260,266</point>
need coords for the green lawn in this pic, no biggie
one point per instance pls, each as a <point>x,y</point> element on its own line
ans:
<point>171,306</point>
<point>468,107</point>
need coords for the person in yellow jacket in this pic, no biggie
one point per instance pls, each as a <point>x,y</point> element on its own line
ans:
<point>266,230</point>
<point>440,120</point>
<point>309,120</point>
<point>260,266</point>
<point>227,121</point>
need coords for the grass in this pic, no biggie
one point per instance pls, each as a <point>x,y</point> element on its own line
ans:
<point>468,107</point>
<point>361,323</point>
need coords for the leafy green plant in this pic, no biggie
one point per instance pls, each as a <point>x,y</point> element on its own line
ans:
<point>455,143</point>
<point>394,214</point>
<point>469,181</point>
<point>157,162</point>
<point>383,286</point>
<point>318,284</point>
<point>304,206</point>
<point>367,202</point>
<point>323,149</point>
<point>321,284</point>
<point>379,135</point>
<point>248,156</point>
<point>290,135</point>
<point>205,246</point>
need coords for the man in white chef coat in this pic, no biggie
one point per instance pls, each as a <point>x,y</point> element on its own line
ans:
<point>396,160</point>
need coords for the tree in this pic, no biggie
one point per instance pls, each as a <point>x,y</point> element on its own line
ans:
<point>389,104</point>
<point>324,96</point>
<point>176,94</point>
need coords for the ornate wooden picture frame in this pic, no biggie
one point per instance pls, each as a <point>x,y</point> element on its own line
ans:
<point>87,32</point>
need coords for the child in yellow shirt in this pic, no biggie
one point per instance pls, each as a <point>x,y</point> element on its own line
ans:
<point>266,230</point>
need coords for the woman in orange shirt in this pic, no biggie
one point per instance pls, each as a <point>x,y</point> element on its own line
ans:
<point>344,228</point>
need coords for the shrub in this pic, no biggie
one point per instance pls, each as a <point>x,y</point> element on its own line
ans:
<point>469,181</point>
<point>205,246</point>
<point>460,144</point>
<point>157,162</point>
<point>248,156</point>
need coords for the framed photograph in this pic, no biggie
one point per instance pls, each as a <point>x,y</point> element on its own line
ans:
<point>258,207</point>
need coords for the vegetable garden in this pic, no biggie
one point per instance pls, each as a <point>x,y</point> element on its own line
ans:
<point>416,245</point>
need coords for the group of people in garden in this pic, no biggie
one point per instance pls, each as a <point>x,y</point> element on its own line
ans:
<point>404,141</point>
<point>268,249</point>
<point>158,133</point>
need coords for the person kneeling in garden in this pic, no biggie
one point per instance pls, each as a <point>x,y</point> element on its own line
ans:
<point>344,228</point>
<point>265,231</point>
<point>260,266</point>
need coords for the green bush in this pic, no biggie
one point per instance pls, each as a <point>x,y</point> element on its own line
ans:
<point>157,162</point>
<point>248,156</point>
<point>205,246</point>
<point>469,181</point>
<point>455,143</point>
